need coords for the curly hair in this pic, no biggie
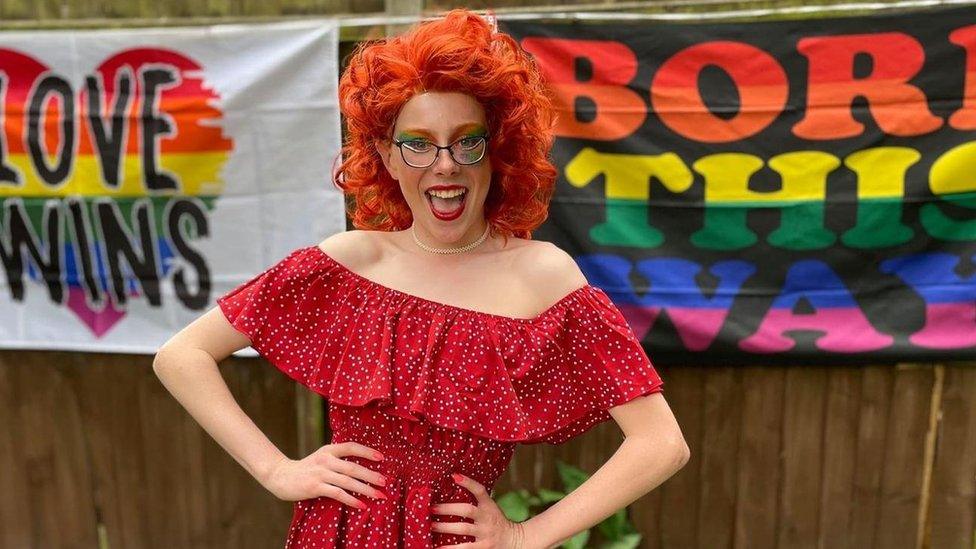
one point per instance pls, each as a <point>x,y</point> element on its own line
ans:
<point>457,53</point>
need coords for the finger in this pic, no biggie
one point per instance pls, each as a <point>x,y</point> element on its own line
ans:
<point>353,485</point>
<point>355,449</point>
<point>458,509</point>
<point>459,528</point>
<point>340,495</point>
<point>473,486</point>
<point>356,470</point>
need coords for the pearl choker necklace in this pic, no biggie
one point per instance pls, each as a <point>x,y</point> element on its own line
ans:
<point>449,250</point>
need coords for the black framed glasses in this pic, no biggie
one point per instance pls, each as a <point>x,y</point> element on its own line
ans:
<point>420,153</point>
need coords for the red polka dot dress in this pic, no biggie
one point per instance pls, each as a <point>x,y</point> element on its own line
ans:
<point>436,388</point>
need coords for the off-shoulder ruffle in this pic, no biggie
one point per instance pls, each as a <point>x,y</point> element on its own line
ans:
<point>356,342</point>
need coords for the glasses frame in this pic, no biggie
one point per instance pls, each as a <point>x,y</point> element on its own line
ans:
<point>439,148</point>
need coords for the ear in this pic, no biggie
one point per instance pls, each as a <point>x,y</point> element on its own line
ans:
<point>385,148</point>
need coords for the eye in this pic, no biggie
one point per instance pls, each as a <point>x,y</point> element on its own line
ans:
<point>470,142</point>
<point>417,145</point>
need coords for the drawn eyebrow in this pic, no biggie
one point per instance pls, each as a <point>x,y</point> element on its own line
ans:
<point>412,133</point>
<point>405,135</point>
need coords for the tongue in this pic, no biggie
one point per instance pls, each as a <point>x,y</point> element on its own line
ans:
<point>446,205</point>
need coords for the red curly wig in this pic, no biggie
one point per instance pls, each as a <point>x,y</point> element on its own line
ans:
<point>458,53</point>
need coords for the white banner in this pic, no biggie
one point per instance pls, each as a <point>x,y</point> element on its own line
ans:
<point>145,172</point>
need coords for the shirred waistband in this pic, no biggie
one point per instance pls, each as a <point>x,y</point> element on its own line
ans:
<point>417,451</point>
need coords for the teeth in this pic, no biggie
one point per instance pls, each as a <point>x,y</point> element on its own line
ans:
<point>447,194</point>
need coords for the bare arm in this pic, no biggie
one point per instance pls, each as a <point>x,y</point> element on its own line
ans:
<point>187,367</point>
<point>652,451</point>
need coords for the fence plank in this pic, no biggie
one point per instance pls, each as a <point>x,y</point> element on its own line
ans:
<point>953,502</point>
<point>678,526</point>
<point>759,457</point>
<point>719,448</point>
<point>904,453</point>
<point>14,490</point>
<point>872,430</point>
<point>54,459</point>
<point>803,412</point>
<point>840,453</point>
<point>110,411</point>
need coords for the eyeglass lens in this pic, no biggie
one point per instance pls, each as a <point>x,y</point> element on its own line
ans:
<point>421,154</point>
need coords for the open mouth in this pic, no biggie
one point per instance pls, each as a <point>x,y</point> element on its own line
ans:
<point>447,207</point>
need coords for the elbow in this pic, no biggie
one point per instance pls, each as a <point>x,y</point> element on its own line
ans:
<point>158,361</point>
<point>682,454</point>
<point>678,451</point>
<point>173,358</point>
<point>671,452</point>
<point>161,359</point>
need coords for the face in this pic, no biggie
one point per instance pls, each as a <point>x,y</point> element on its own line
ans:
<point>440,118</point>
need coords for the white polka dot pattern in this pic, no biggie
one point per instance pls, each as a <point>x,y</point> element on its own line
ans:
<point>356,342</point>
<point>437,388</point>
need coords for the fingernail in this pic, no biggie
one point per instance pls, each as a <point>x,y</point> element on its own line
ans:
<point>384,481</point>
<point>380,495</point>
<point>457,477</point>
<point>378,455</point>
<point>360,504</point>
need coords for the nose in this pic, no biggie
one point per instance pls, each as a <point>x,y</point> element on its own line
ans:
<point>444,164</point>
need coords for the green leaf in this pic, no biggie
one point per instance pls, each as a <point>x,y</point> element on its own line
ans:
<point>571,476</point>
<point>578,541</point>
<point>615,526</point>
<point>514,506</point>
<point>550,496</point>
<point>630,541</point>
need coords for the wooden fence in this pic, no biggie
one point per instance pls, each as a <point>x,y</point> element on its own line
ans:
<point>94,452</point>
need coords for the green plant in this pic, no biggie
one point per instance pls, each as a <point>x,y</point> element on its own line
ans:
<point>616,530</point>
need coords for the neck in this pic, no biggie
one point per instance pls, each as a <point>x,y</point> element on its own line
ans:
<point>471,235</point>
<point>416,241</point>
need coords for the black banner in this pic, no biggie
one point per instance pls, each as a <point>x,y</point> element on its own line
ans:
<point>772,191</point>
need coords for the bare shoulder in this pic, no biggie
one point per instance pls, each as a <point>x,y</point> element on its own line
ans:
<point>552,271</point>
<point>351,248</point>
